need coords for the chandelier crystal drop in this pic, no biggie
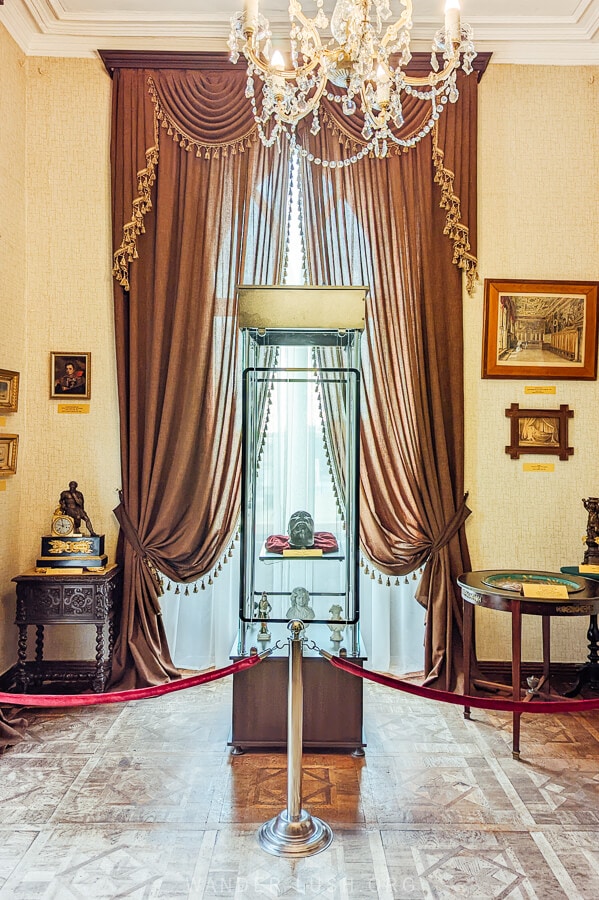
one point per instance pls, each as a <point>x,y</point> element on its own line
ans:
<point>354,60</point>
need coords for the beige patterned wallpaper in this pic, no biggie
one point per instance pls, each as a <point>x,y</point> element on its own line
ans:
<point>538,184</point>
<point>538,189</point>
<point>12,316</point>
<point>60,297</point>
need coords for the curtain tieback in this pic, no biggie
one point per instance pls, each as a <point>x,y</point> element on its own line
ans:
<point>132,537</point>
<point>451,528</point>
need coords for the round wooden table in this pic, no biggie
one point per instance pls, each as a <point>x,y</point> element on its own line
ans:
<point>501,590</point>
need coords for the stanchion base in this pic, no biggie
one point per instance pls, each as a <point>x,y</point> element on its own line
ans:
<point>305,837</point>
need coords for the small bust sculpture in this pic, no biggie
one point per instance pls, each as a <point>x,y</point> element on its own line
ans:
<point>337,626</point>
<point>301,530</point>
<point>300,605</point>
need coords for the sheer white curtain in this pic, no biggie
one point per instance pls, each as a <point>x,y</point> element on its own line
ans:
<point>201,623</point>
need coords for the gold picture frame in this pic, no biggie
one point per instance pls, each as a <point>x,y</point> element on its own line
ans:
<point>70,376</point>
<point>9,391</point>
<point>9,445</point>
<point>540,329</point>
<point>539,431</point>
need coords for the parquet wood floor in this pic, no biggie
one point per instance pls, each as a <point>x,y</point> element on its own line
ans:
<point>144,800</point>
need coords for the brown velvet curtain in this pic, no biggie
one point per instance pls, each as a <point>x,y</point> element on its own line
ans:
<point>12,727</point>
<point>397,225</point>
<point>198,207</point>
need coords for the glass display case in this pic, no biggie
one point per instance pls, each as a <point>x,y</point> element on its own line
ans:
<point>300,490</point>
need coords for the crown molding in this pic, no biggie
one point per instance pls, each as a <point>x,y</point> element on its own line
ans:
<point>46,28</point>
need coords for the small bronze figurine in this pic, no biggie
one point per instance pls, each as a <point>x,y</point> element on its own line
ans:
<point>263,609</point>
<point>72,504</point>
<point>591,556</point>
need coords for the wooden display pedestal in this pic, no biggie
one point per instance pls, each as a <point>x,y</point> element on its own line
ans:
<point>333,701</point>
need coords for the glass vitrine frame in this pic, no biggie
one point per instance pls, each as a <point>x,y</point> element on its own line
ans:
<point>262,373</point>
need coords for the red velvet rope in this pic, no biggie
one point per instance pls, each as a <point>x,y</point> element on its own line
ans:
<point>532,706</point>
<point>467,700</point>
<point>122,696</point>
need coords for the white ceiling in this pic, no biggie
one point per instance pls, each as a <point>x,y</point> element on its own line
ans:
<point>564,32</point>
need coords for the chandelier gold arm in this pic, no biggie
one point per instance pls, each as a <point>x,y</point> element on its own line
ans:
<point>288,74</point>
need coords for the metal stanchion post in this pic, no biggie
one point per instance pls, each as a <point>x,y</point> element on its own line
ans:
<point>294,832</point>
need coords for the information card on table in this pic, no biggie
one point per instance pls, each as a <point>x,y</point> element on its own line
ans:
<point>545,591</point>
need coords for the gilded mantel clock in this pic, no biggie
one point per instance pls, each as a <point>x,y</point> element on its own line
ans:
<point>65,547</point>
<point>62,525</point>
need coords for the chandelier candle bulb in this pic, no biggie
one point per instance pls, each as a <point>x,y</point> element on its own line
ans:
<point>251,11</point>
<point>383,86</point>
<point>278,64</point>
<point>452,20</point>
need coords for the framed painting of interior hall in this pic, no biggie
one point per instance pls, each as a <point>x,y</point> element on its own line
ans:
<point>70,375</point>
<point>539,431</point>
<point>9,391</point>
<point>540,330</point>
<point>9,444</point>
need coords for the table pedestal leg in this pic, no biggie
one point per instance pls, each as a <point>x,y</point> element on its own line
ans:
<point>516,673</point>
<point>468,628</point>
<point>589,673</point>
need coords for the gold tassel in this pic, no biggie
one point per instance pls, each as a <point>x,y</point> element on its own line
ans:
<point>388,582</point>
<point>177,591</point>
<point>414,576</point>
<point>372,575</point>
<point>380,578</point>
<point>203,585</point>
<point>210,581</point>
<point>195,588</point>
<point>406,580</point>
<point>366,570</point>
<point>186,590</point>
<point>397,582</point>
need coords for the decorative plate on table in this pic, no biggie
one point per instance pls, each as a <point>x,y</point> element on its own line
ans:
<point>513,581</point>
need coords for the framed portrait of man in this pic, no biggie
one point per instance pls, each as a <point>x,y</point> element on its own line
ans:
<point>70,376</point>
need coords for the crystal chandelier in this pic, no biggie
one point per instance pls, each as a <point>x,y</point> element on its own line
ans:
<point>362,64</point>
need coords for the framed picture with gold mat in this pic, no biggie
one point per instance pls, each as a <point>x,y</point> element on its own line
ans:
<point>540,330</point>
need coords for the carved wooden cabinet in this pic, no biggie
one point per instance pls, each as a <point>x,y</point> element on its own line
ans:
<point>62,598</point>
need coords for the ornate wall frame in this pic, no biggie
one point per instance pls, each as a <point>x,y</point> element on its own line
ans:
<point>539,431</point>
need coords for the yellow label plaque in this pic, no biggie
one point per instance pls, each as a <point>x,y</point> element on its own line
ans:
<point>590,570</point>
<point>307,552</point>
<point>2,485</point>
<point>2,421</point>
<point>545,591</point>
<point>540,389</point>
<point>538,467</point>
<point>77,409</point>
